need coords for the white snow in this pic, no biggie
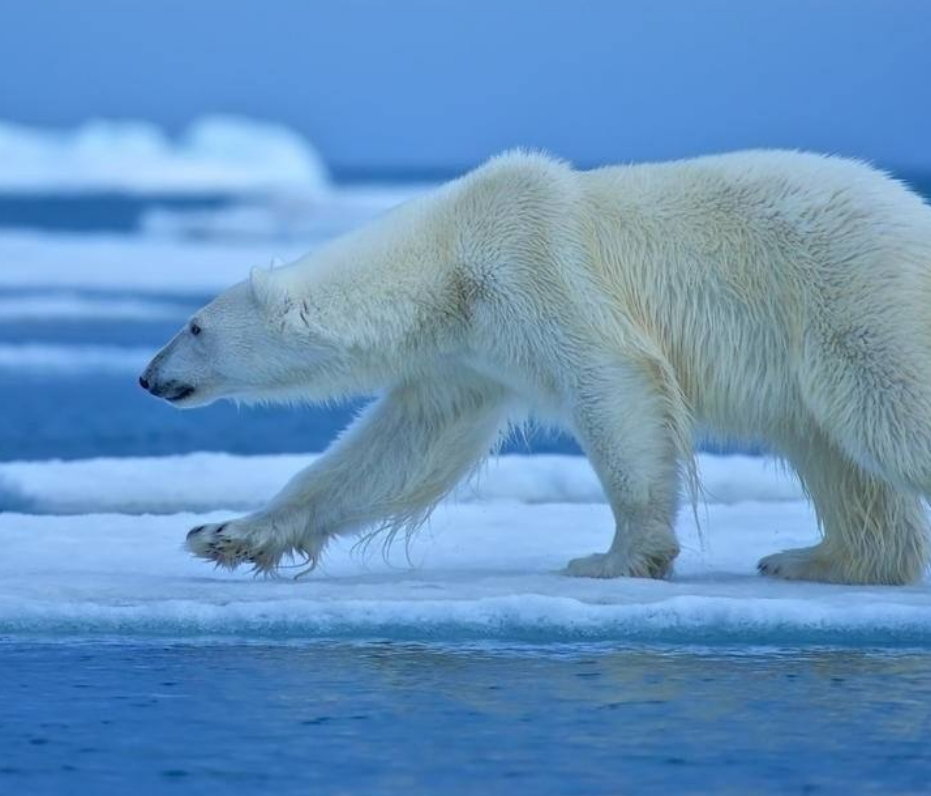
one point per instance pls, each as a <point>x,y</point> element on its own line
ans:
<point>281,216</point>
<point>118,262</point>
<point>485,570</point>
<point>62,305</point>
<point>215,154</point>
<point>191,252</point>
<point>81,359</point>
<point>206,481</point>
<point>168,264</point>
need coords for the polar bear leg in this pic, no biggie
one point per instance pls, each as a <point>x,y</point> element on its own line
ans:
<point>395,462</point>
<point>873,532</point>
<point>622,422</point>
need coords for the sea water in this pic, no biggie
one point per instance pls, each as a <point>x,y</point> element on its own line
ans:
<point>390,718</point>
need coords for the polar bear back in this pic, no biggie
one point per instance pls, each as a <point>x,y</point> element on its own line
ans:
<point>749,269</point>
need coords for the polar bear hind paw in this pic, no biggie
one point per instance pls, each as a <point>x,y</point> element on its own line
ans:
<point>803,563</point>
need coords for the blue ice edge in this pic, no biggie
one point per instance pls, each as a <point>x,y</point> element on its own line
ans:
<point>533,619</point>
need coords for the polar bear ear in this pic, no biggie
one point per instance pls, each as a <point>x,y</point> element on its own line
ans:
<point>269,295</point>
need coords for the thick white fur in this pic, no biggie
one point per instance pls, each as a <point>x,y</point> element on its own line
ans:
<point>778,296</point>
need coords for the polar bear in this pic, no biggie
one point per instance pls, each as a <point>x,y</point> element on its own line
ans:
<point>777,296</point>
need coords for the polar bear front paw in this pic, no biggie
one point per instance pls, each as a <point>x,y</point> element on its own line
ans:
<point>613,565</point>
<point>229,544</point>
<point>256,541</point>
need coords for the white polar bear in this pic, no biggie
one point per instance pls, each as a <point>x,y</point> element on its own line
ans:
<point>778,296</point>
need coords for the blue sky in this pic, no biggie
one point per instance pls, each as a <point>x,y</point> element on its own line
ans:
<point>441,84</point>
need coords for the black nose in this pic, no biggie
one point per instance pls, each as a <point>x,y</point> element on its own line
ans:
<point>144,382</point>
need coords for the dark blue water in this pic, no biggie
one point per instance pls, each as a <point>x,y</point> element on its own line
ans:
<point>385,718</point>
<point>95,212</point>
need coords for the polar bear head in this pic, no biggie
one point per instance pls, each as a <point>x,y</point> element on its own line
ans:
<point>365,310</point>
<point>246,346</point>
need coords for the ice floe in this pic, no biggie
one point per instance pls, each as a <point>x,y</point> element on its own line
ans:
<point>71,306</point>
<point>280,217</point>
<point>206,481</point>
<point>79,359</point>
<point>132,263</point>
<point>216,154</point>
<point>483,570</point>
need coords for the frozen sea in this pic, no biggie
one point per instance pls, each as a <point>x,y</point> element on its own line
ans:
<point>465,664</point>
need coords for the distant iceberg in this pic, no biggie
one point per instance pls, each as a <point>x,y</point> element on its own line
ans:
<point>216,154</point>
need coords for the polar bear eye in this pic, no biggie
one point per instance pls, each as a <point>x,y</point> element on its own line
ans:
<point>195,329</point>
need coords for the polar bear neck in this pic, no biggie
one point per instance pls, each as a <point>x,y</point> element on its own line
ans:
<point>379,288</point>
<point>405,286</point>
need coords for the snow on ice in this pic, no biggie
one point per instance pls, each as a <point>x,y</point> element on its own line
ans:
<point>486,567</point>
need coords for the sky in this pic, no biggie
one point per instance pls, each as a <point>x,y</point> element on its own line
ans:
<point>439,85</point>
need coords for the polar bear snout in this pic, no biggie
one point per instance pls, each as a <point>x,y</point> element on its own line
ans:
<point>161,386</point>
<point>169,390</point>
<point>172,375</point>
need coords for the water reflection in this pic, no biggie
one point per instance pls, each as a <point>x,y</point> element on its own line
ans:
<point>390,718</point>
